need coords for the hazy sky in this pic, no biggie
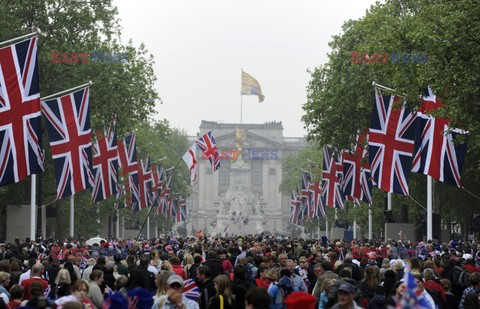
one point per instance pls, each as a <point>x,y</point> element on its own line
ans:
<point>200,47</point>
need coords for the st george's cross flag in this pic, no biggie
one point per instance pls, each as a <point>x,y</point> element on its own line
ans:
<point>436,152</point>
<point>68,127</point>
<point>332,174</point>
<point>105,164</point>
<point>207,144</point>
<point>293,209</point>
<point>391,140</point>
<point>250,86</point>
<point>127,151</point>
<point>21,151</point>
<point>190,159</point>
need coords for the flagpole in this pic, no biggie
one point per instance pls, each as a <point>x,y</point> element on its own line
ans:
<point>354,229</point>
<point>150,209</point>
<point>55,95</point>
<point>148,226</point>
<point>241,97</point>
<point>72,214</point>
<point>429,208</point>
<point>26,36</point>
<point>374,84</point>
<point>117,225</point>
<point>33,209</point>
<point>326,228</point>
<point>370,222</point>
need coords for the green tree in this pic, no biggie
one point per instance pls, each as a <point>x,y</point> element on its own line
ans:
<point>340,94</point>
<point>126,89</point>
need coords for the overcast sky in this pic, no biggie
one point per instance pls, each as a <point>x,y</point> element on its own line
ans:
<point>200,47</point>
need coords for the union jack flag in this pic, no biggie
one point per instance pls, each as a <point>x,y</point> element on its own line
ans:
<point>293,209</point>
<point>412,296</point>
<point>21,151</point>
<point>182,205</point>
<point>307,207</point>
<point>127,151</point>
<point>191,290</point>
<point>332,175</point>
<point>178,214</point>
<point>300,209</point>
<point>165,194</point>
<point>105,164</point>
<point>172,207</point>
<point>391,139</point>
<point>356,172</point>
<point>68,126</point>
<point>145,185</point>
<point>120,196</point>
<point>209,148</point>
<point>157,180</point>
<point>316,199</point>
<point>436,153</point>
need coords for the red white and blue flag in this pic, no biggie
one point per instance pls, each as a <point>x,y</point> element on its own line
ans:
<point>356,171</point>
<point>127,151</point>
<point>165,194</point>
<point>391,141</point>
<point>182,206</point>
<point>68,127</point>
<point>172,207</point>
<point>412,296</point>
<point>191,290</point>
<point>209,148</point>
<point>157,183</point>
<point>21,151</point>
<point>105,164</point>
<point>307,207</point>
<point>332,175</point>
<point>144,185</point>
<point>316,200</point>
<point>300,208</point>
<point>436,152</point>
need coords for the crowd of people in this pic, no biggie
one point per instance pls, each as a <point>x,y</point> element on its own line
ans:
<point>252,272</point>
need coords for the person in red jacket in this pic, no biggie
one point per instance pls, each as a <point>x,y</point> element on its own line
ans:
<point>177,268</point>
<point>35,275</point>
<point>431,285</point>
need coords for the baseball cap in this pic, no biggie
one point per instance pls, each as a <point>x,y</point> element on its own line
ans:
<point>175,279</point>
<point>346,287</point>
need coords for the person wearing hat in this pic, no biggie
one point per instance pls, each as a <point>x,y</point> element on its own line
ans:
<point>300,300</point>
<point>174,298</point>
<point>346,295</point>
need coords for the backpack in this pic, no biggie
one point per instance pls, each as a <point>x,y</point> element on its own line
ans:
<point>460,277</point>
<point>283,291</point>
<point>437,298</point>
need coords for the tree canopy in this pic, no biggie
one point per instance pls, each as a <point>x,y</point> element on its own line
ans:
<point>126,88</point>
<point>340,95</point>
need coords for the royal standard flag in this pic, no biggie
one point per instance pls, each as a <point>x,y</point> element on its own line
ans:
<point>250,86</point>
